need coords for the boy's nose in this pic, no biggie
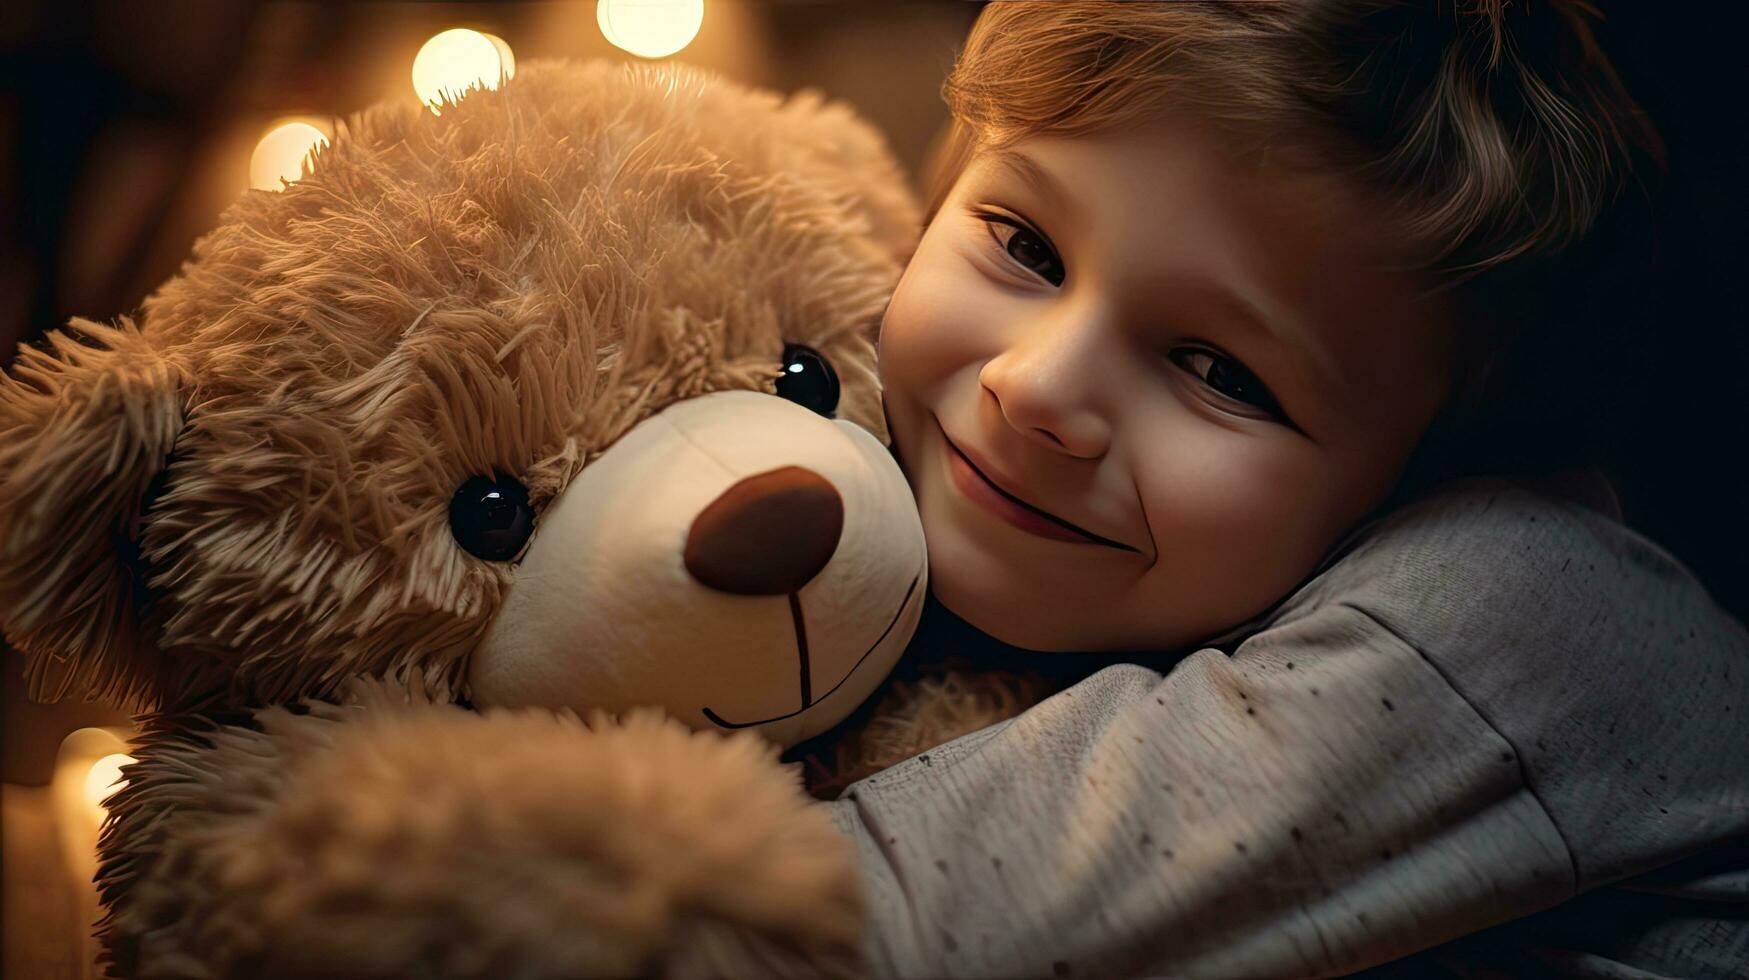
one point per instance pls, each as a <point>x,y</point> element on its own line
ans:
<point>1046,396</point>
<point>769,534</point>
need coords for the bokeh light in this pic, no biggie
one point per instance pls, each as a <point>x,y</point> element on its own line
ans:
<point>105,777</point>
<point>280,153</point>
<point>458,59</point>
<point>650,28</point>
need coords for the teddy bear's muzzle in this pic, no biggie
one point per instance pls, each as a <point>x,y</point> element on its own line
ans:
<point>735,559</point>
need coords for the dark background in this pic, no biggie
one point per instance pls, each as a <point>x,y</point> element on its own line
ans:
<point>126,127</point>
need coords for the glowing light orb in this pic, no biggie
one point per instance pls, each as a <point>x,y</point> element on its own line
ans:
<point>457,60</point>
<point>650,28</point>
<point>280,154</point>
<point>105,777</point>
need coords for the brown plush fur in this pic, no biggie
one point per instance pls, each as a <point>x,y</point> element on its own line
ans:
<point>931,704</point>
<point>240,502</point>
<point>644,872</point>
<point>83,433</point>
<point>508,287</point>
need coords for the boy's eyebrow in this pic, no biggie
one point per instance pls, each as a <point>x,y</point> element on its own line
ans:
<point>1025,168</point>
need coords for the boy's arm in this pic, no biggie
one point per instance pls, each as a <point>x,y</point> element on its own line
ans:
<point>1430,740</point>
<point>1238,817</point>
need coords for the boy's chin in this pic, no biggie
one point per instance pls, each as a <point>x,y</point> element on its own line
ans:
<point>1014,622</point>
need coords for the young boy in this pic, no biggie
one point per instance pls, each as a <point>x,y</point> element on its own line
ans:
<point>1208,316</point>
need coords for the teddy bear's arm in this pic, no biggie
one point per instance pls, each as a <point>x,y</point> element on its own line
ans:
<point>388,836</point>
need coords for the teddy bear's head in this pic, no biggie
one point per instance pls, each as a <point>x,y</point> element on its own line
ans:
<point>564,396</point>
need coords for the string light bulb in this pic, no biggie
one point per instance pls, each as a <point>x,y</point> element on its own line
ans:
<point>280,154</point>
<point>105,777</point>
<point>649,28</point>
<point>457,60</point>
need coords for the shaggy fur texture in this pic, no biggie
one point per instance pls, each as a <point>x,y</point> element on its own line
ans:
<point>417,839</point>
<point>922,705</point>
<point>84,431</point>
<point>232,513</point>
<point>506,288</point>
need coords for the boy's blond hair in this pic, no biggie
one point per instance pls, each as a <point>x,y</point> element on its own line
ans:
<point>1492,133</point>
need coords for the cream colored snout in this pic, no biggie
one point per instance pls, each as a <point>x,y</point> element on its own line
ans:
<point>735,559</point>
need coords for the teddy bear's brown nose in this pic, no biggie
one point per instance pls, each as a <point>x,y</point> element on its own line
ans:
<point>769,534</point>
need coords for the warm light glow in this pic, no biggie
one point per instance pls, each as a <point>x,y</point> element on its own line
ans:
<point>87,769</point>
<point>650,28</point>
<point>506,60</point>
<point>105,777</point>
<point>280,154</point>
<point>459,59</point>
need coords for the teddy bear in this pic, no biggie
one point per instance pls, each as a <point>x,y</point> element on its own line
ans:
<point>473,521</point>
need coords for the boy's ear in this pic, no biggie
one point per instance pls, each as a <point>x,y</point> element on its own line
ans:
<point>86,421</point>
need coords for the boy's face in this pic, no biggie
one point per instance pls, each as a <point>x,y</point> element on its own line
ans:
<point>1205,369</point>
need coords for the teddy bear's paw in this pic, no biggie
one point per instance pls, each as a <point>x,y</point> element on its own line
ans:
<point>913,716</point>
<point>443,842</point>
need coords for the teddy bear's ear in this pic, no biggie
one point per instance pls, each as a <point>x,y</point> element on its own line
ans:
<point>86,421</point>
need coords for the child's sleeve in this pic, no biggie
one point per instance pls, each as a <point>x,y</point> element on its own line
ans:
<point>1446,731</point>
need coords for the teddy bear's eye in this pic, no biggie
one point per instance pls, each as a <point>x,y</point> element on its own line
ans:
<point>491,518</point>
<point>808,380</point>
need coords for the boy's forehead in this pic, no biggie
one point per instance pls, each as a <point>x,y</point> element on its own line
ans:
<point>1180,171</point>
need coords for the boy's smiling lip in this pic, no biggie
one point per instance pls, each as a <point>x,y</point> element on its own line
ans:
<point>1035,520</point>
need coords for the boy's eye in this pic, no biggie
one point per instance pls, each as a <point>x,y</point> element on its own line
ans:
<point>1029,249</point>
<point>1227,377</point>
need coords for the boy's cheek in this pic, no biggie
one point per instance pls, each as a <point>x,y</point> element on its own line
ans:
<point>906,347</point>
<point>899,395</point>
<point>935,326</point>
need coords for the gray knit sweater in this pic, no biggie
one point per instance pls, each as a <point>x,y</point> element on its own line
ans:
<point>1491,702</point>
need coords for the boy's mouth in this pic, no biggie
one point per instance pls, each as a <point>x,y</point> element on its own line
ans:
<point>1033,519</point>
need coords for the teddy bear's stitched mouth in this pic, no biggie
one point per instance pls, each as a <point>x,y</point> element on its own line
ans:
<point>802,652</point>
